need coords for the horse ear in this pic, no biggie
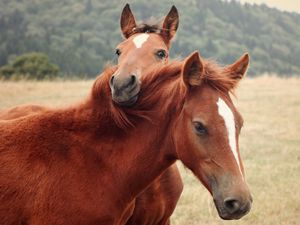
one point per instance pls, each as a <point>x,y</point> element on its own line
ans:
<point>170,24</point>
<point>238,69</point>
<point>192,71</point>
<point>127,21</point>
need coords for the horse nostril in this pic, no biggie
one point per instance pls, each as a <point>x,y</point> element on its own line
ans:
<point>132,80</point>
<point>232,205</point>
<point>111,82</point>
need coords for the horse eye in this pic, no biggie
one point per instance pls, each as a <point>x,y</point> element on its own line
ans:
<point>118,52</point>
<point>161,54</point>
<point>200,128</point>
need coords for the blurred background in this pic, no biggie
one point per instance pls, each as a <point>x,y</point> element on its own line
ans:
<point>41,40</point>
<point>79,37</point>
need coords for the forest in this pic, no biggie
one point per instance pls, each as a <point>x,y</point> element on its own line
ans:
<point>80,36</point>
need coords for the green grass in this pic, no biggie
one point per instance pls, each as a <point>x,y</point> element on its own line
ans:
<point>269,144</point>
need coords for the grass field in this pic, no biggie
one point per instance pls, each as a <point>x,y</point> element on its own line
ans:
<point>270,147</point>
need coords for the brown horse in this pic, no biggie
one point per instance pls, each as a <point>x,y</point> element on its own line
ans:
<point>84,165</point>
<point>154,205</point>
<point>145,45</point>
<point>20,111</point>
<point>158,201</point>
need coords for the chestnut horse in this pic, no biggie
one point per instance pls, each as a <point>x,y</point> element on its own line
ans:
<point>145,45</point>
<point>158,201</point>
<point>86,164</point>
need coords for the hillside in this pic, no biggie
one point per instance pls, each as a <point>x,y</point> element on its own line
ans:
<point>80,36</point>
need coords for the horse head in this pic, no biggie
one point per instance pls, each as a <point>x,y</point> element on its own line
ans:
<point>207,130</point>
<point>144,45</point>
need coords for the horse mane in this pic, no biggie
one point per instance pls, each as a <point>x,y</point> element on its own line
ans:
<point>161,87</point>
<point>101,84</point>
<point>152,26</point>
<point>100,97</point>
<point>147,28</point>
<point>218,77</point>
<point>150,92</point>
<point>158,76</point>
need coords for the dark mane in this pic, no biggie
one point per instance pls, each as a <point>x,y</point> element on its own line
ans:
<point>147,27</point>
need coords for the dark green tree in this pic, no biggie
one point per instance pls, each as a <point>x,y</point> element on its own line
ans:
<point>88,6</point>
<point>31,65</point>
<point>80,36</point>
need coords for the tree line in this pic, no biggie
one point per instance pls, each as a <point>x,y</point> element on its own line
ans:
<point>80,36</point>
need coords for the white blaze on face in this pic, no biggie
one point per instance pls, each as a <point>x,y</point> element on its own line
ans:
<point>140,39</point>
<point>228,117</point>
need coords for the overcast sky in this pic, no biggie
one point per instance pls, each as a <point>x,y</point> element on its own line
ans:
<point>288,5</point>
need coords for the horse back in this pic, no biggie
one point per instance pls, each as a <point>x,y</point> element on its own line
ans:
<point>20,111</point>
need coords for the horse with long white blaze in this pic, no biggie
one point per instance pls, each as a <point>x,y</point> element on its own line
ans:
<point>84,165</point>
<point>155,204</point>
<point>212,124</point>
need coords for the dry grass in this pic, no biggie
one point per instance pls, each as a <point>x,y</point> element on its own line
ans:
<point>45,93</point>
<point>270,146</point>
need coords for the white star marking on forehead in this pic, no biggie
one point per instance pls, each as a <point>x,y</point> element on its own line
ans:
<point>139,40</point>
<point>228,117</point>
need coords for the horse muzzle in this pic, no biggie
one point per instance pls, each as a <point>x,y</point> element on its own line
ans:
<point>232,208</point>
<point>124,90</point>
<point>231,196</point>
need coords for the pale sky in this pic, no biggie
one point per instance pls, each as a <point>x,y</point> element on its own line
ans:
<point>288,5</point>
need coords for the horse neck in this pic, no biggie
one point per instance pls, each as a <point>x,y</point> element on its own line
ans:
<point>137,154</point>
<point>153,150</point>
<point>99,108</point>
